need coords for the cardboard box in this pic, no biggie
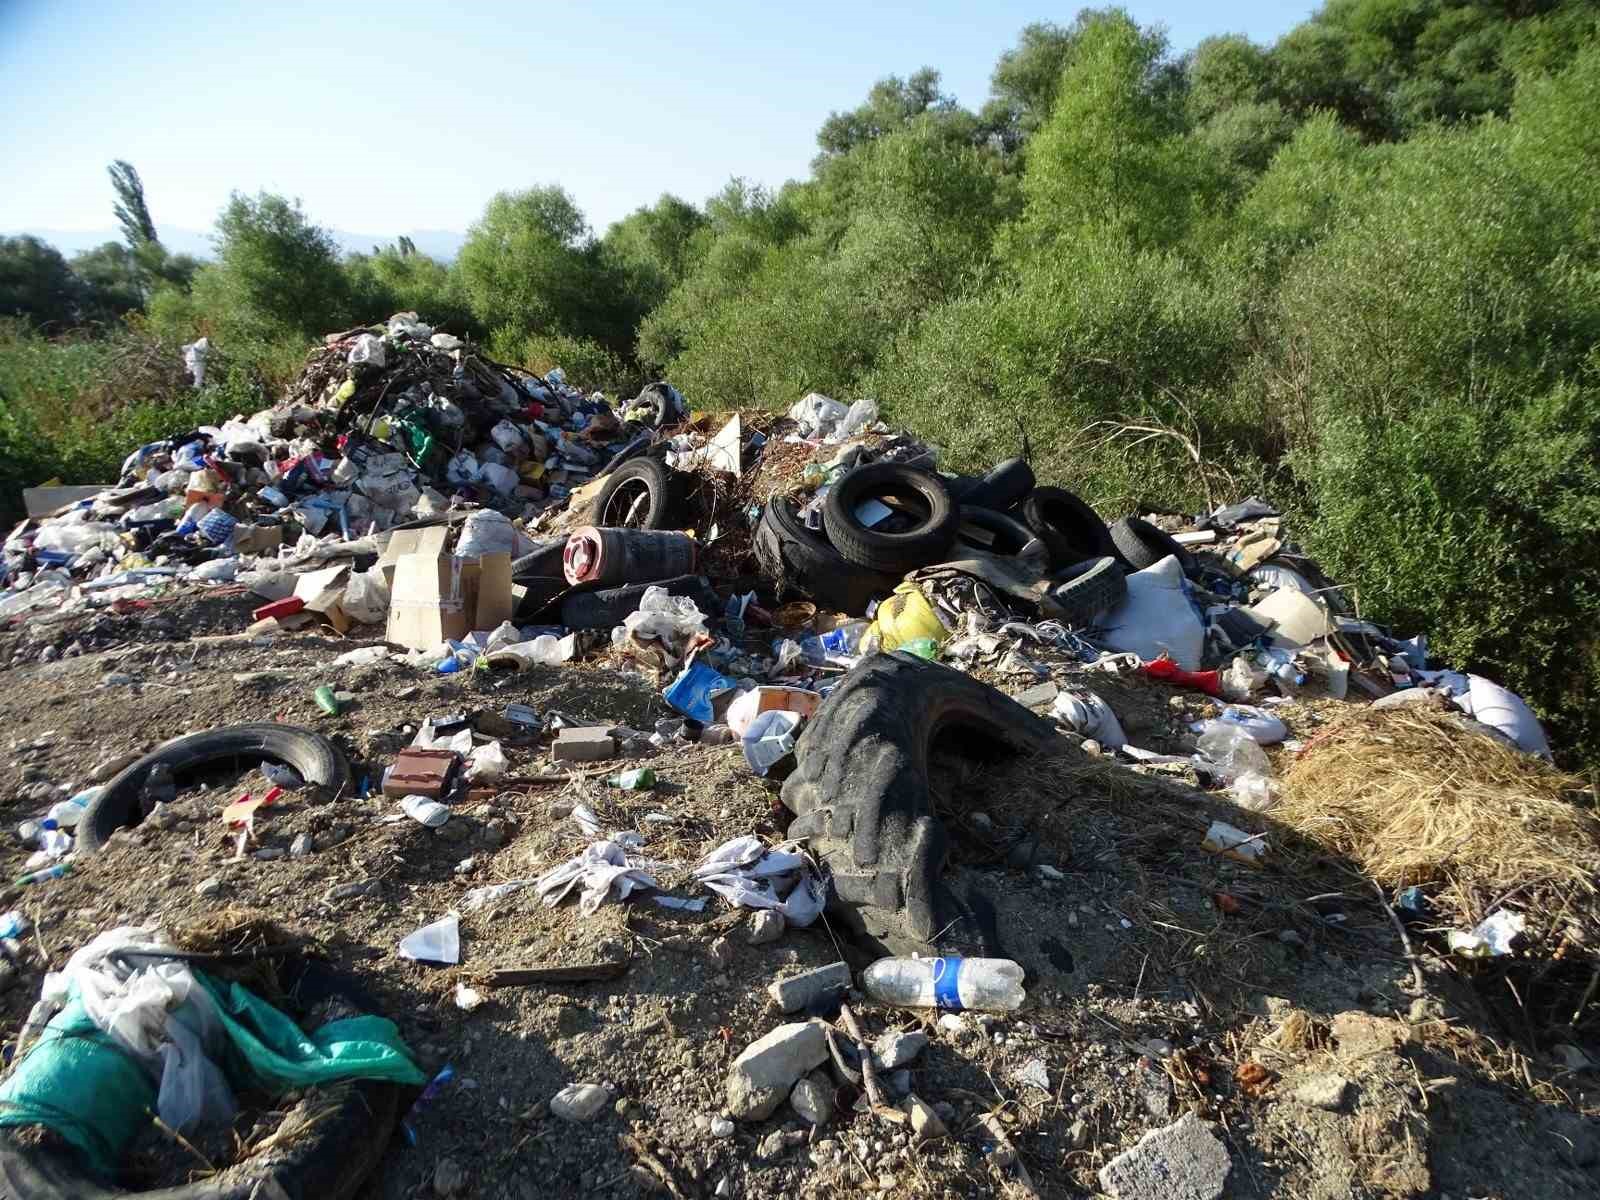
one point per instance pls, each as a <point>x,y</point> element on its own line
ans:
<point>436,597</point>
<point>257,539</point>
<point>323,592</point>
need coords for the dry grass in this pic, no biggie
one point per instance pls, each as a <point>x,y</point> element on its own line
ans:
<point>1413,797</point>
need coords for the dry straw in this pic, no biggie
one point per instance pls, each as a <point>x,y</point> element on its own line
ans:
<point>1415,797</point>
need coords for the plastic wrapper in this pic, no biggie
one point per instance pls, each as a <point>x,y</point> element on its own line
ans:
<point>749,874</point>
<point>486,762</point>
<point>439,942</point>
<point>1230,752</point>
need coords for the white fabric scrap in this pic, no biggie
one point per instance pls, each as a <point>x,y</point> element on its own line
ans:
<point>604,870</point>
<point>748,874</point>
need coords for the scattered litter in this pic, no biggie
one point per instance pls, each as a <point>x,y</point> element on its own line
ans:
<point>439,942</point>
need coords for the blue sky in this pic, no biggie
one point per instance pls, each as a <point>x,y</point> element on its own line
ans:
<point>399,116</point>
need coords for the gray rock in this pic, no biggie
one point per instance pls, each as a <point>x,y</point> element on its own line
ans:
<point>1182,1161</point>
<point>448,1178</point>
<point>797,991</point>
<point>900,1082</point>
<point>301,846</point>
<point>209,887</point>
<point>768,926</point>
<point>580,1102</point>
<point>894,1050</point>
<point>721,1127</point>
<point>720,952</point>
<point>771,1147</point>
<point>109,768</point>
<point>1078,1134</point>
<point>1328,1090</point>
<point>268,853</point>
<point>812,1098</point>
<point>925,1123</point>
<point>763,1075</point>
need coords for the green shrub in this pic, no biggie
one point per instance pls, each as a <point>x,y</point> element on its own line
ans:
<point>586,364</point>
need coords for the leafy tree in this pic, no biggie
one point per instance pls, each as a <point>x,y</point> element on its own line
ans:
<point>1110,160</point>
<point>36,283</point>
<point>653,248</point>
<point>276,274</point>
<point>132,212</point>
<point>111,281</point>
<point>527,263</point>
<point>890,105</point>
<point>398,279</point>
<point>1224,72</point>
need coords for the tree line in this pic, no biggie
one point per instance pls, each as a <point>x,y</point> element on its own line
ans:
<point>1353,270</point>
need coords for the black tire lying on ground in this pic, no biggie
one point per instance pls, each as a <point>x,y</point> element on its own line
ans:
<point>1002,487</point>
<point>1089,590</point>
<point>1140,544</point>
<point>1070,529</point>
<point>330,1161</point>
<point>312,755</point>
<point>928,542</point>
<point>802,561</point>
<point>643,493</point>
<point>859,793</point>
<point>1010,535</point>
<point>653,406</point>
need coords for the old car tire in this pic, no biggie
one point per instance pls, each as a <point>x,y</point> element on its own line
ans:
<point>1069,528</point>
<point>312,755</point>
<point>928,542</point>
<point>331,1161</point>
<point>643,493</point>
<point>859,793</point>
<point>798,559</point>
<point>1002,487</point>
<point>1141,544</point>
<point>1011,536</point>
<point>1089,590</point>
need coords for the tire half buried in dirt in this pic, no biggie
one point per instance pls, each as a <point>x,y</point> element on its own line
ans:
<point>329,1161</point>
<point>311,754</point>
<point>860,797</point>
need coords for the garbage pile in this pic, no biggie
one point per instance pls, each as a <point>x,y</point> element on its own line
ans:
<point>489,519</point>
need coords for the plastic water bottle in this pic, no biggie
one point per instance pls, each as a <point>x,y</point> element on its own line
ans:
<point>69,812</point>
<point>985,984</point>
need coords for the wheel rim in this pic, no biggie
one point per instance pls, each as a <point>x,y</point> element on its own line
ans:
<point>628,505</point>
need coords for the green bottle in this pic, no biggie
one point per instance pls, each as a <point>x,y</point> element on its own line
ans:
<point>326,700</point>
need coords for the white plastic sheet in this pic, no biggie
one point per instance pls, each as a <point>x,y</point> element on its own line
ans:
<point>1091,716</point>
<point>1157,617</point>
<point>439,942</point>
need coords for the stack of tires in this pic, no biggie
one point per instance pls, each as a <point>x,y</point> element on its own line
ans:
<point>851,560</point>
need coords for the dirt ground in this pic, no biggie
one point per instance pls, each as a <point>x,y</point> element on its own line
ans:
<point>1161,978</point>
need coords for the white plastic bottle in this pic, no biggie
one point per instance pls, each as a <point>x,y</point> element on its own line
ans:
<point>67,813</point>
<point>984,984</point>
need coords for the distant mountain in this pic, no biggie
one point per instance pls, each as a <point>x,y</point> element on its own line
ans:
<point>442,244</point>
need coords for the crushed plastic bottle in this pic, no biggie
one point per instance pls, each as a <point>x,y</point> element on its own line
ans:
<point>1230,752</point>
<point>953,983</point>
<point>67,813</point>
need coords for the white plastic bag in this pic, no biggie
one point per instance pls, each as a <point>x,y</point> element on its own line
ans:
<point>501,479</point>
<point>1091,716</point>
<point>369,349</point>
<point>546,650</point>
<point>509,438</point>
<point>462,469</point>
<point>486,532</point>
<point>366,598</point>
<point>486,762</point>
<point>423,811</point>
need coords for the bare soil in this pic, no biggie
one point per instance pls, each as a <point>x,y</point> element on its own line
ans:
<point>1161,978</point>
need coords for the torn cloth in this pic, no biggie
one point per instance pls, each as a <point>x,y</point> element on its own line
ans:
<point>603,868</point>
<point>748,874</point>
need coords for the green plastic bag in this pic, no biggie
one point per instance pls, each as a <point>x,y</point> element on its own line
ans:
<point>97,1094</point>
<point>82,1083</point>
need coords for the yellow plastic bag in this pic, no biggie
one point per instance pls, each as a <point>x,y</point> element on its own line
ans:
<point>905,617</point>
